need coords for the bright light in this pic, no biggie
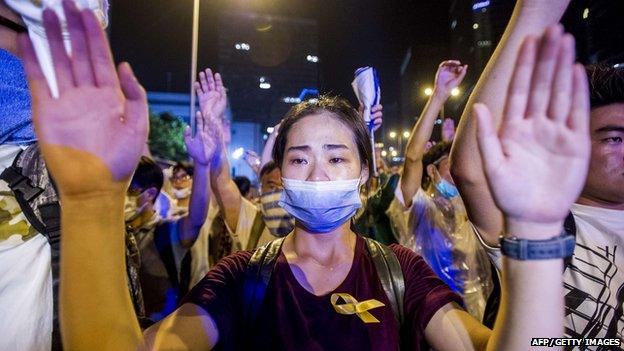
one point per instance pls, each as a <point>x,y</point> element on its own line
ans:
<point>291,100</point>
<point>392,135</point>
<point>262,79</point>
<point>618,65</point>
<point>475,26</point>
<point>585,13</point>
<point>480,5</point>
<point>270,130</point>
<point>265,137</point>
<point>406,134</point>
<point>394,153</point>
<point>313,100</point>
<point>391,148</point>
<point>438,121</point>
<point>455,91</point>
<point>265,85</point>
<point>238,153</point>
<point>242,46</point>
<point>428,91</point>
<point>312,58</point>
<point>384,153</point>
<point>379,145</point>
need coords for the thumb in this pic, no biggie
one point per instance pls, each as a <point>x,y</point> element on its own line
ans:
<point>489,143</point>
<point>188,137</point>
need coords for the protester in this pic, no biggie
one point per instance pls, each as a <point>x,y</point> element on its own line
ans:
<point>324,154</point>
<point>593,283</point>
<point>427,212</point>
<point>29,209</point>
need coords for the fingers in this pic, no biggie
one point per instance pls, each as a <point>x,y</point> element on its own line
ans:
<point>518,91</point>
<point>541,81</point>
<point>489,143</point>
<point>450,63</point>
<point>199,122</point>
<point>377,108</point>
<point>210,81</point>
<point>219,83</point>
<point>99,48</point>
<point>579,114</point>
<point>188,135</point>
<point>461,73</point>
<point>135,112</point>
<point>561,94</point>
<point>36,79</point>
<point>203,83</point>
<point>80,60</point>
<point>60,59</point>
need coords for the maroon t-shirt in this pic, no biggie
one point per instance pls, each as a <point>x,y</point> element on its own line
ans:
<point>291,318</point>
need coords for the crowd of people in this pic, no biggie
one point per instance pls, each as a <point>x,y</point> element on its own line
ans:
<point>506,231</point>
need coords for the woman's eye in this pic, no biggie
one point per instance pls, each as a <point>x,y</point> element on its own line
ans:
<point>298,161</point>
<point>613,140</point>
<point>336,160</point>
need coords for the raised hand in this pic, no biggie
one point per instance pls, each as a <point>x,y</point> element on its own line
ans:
<point>211,94</point>
<point>204,145</point>
<point>93,134</point>
<point>449,76</point>
<point>537,163</point>
<point>253,160</point>
<point>448,129</point>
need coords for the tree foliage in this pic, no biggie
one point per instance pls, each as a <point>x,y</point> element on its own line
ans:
<point>166,137</point>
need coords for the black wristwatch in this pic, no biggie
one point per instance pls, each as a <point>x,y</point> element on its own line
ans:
<point>561,246</point>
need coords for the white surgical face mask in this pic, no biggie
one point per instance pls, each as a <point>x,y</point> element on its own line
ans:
<point>321,206</point>
<point>277,220</point>
<point>182,193</point>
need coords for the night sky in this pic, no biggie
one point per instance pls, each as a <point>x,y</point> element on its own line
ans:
<point>154,36</point>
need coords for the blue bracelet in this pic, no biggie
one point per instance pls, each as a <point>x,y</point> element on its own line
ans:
<point>522,249</point>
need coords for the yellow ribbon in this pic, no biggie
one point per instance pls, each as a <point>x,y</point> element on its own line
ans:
<point>352,306</point>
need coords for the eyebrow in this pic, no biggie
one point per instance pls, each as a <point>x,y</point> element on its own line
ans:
<point>610,128</point>
<point>326,147</point>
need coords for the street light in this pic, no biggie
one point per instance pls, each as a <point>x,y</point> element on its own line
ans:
<point>406,134</point>
<point>428,91</point>
<point>455,92</point>
<point>392,135</point>
<point>394,153</point>
<point>384,153</point>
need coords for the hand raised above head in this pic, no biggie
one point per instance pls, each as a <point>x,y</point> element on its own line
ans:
<point>450,74</point>
<point>93,134</point>
<point>211,93</point>
<point>206,141</point>
<point>537,163</point>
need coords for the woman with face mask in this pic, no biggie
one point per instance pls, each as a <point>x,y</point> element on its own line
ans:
<point>324,292</point>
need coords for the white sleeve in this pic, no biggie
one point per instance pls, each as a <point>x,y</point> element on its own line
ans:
<point>246,218</point>
<point>494,252</point>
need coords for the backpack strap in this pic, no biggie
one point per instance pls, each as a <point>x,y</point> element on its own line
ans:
<point>256,231</point>
<point>390,275</point>
<point>257,277</point>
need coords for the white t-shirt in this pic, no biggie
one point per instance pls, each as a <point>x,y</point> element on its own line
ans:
<point>25,275</point>
<point>594,280</point>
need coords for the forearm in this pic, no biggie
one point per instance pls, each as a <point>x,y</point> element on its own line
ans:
<point>96,309</point>
<point>532,299</point>
<point>415,149</point>
<point>225,190</point>
<point>267,152</point>
<point>494,80</point>
<point>198,207</point>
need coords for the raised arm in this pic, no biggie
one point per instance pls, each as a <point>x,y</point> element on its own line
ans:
<point>449,75</point>
<point>212,101</point>
<point>201,147</point>
<point>542,144</point>
<point>91,138</point>
<point>530,17</point>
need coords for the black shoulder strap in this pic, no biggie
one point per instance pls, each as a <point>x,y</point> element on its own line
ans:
<point>390,274</point>
<point>257,278</point>
<point>256,231</point>
<point>569,225</point>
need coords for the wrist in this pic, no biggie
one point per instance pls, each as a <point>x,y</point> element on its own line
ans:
<point>532,230</point>
<point>440,96</point>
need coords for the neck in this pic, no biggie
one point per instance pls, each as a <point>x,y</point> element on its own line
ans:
<point>601,203</point>
<point>325,248</point>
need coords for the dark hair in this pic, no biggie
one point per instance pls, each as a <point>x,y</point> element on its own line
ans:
<point>606,84</point>
<point>147,175</point>
<point>183,166</point>
<point>342,111</point>
<point>434,154</point>
<point>267,168</point>
<point>243,184</point>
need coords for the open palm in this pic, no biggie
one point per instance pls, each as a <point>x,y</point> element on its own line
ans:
<point>211,94</point>
<point>206,141</point>
<point>99,122</point>
<point>537,164</point>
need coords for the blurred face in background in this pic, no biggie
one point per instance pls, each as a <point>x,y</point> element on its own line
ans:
<point>181,180</point>
<point>271,181</point>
